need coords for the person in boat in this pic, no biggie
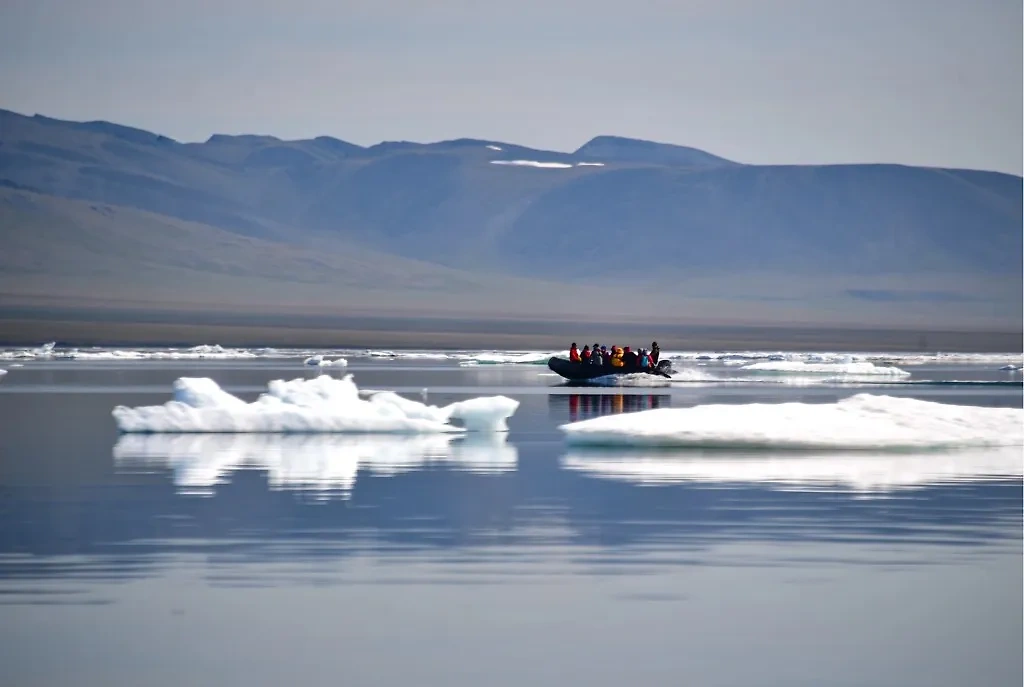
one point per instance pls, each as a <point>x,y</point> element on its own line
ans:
<point>655,352</point>
<point>574,354</point>
<point>606,355</point>
<point>616,357</point>
<point>585,355</point>
<point>595,355</point>
<point>643,360</point>
<point>628,358</point>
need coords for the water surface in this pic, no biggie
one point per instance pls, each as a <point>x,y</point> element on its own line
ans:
<point>168,560</point>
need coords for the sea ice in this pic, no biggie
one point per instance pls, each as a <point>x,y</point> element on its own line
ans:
<point>830,368</point>
<point>323,404</point>
<point>319,361</point>
<point>505,358</point>
<point>863,421</point>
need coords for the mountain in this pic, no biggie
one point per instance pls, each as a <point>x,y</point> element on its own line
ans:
<point>619,226</point>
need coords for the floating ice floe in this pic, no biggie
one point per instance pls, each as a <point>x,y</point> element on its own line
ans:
<point>590,164</point>
<point>739,357</point>
<point>829,368</point>
<point>323,404</point>
<point>1012,368</point>
<point>532,163</point>
<point>862,471</point>
<point>324,464</point>
<point>494,147</point>
<point>505,358</point>
<point>319,361</point>
<point>406,355</point>
<point>863,421</point>
<point>50,351</point>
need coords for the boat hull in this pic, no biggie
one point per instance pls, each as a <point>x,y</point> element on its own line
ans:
<point>581,372</point>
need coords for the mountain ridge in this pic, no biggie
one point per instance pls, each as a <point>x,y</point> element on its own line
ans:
<point>645,219</point>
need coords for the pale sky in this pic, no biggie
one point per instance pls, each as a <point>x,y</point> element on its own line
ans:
<point>929,82</point>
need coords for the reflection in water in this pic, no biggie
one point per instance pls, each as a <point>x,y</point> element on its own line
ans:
<point>585,406</point>
<point>324,464</point>
<point>847,470</point>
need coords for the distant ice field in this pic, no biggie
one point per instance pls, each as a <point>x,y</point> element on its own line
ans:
<point>780,362</point>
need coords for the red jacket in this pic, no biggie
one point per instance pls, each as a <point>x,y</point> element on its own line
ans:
<point>574,354</point>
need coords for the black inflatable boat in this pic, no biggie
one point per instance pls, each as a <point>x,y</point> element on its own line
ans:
<point>581,372</point>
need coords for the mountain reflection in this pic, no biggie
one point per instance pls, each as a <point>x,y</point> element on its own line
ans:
<point>324,464</point>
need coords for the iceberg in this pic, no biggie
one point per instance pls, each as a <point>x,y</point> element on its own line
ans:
<point>319,463</point>
<point>860,422</point>
<point>862,472</point>
<point>323,404</point>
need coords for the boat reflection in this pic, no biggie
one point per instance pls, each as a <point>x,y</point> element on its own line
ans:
<point>585,406</point>
<point>326,465</point>
<point>855,471</point>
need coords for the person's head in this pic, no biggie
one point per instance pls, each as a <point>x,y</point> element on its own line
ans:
<point>627,349</point>
<point>574,344</point>
<point>654,344</point>
<point>604,348</point>
<point>586,348</point>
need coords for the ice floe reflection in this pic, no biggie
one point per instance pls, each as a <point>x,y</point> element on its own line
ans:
<point>326,465</point>
<point>862,472</point>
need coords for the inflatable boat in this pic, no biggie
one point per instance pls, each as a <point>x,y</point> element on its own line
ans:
<point>582,372</point>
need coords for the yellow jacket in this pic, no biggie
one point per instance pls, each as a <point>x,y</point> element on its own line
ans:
<point>617,358</point>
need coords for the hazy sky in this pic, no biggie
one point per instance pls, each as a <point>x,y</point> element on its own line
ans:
<point>933,82</point>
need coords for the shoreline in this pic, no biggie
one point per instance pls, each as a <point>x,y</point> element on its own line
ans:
<point>422,333</point>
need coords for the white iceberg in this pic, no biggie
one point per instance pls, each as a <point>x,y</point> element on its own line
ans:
<point>861,471</point>
<point>319,463</point>
<point>494,147</point>
<point>323,404</point>
<point>863,421</point>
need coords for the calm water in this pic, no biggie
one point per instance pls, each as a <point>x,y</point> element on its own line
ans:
<point>262,560</point>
